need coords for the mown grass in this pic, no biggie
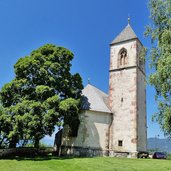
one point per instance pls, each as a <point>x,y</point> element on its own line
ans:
<point>84,164</point>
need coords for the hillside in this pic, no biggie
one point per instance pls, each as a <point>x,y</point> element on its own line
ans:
<point>159,144</point>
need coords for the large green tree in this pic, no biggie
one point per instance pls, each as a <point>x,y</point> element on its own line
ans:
<point>4,128</point>
<point>43,94</point>
<point>160,59</point>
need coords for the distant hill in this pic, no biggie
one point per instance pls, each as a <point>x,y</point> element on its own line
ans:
<point>159,144</point>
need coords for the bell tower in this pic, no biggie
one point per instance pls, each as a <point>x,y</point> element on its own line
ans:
<point>127,94</point>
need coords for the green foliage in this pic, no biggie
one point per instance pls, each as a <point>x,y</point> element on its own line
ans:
<point>160,60</point>
<point>43,94</point>
<point>69,108</point>
<point>169,157</point>
<point>4,128</point>
<point>41,145</point>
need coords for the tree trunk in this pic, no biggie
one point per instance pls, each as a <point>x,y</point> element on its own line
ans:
<point>1,142</point>
<point>36,143</point>
<point>57,142</point>
<point>13,143</point>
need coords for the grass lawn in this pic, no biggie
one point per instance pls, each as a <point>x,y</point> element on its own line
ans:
<point>84,164</point>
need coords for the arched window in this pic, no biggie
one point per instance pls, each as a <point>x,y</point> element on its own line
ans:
<point>123,58</point>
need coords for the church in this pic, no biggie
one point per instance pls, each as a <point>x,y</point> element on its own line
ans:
<point>114,124</point>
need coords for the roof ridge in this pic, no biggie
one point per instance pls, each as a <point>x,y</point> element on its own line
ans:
<point>97,89</point>
<point>94,99</point>
<point>104,95</point>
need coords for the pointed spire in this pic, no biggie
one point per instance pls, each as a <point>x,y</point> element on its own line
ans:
<point>126,34</point>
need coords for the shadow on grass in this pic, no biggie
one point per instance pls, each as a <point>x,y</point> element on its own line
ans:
<point>39,158</point>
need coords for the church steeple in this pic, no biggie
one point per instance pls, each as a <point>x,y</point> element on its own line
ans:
<point>126,34</point>
<point>127,95</point>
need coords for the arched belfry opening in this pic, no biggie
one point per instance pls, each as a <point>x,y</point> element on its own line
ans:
<point>123,58</point>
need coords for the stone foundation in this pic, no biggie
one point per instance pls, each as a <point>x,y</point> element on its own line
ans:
<point>85,152</point>
<point>92,152</point>
<point>118,154</point>
<point>123,154</point>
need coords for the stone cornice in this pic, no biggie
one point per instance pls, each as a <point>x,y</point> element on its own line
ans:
<point>126,68</point>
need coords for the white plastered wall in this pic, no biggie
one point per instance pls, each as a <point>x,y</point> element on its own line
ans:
<point>93,131</point>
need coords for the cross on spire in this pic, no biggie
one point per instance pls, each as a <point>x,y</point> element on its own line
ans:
<point>88,80</point>
<point>129,19</point>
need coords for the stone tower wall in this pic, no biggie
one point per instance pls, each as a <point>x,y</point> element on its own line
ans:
<point>130,46</point>
<point>123,103</point>
<point>127,99</point>
<point>142,127</point>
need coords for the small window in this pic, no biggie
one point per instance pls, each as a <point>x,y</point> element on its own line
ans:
<point>123,59</point>
<point>120,143</point>
<point>122,99</point>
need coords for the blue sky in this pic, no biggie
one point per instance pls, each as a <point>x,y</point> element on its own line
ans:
<point>86,27</point>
